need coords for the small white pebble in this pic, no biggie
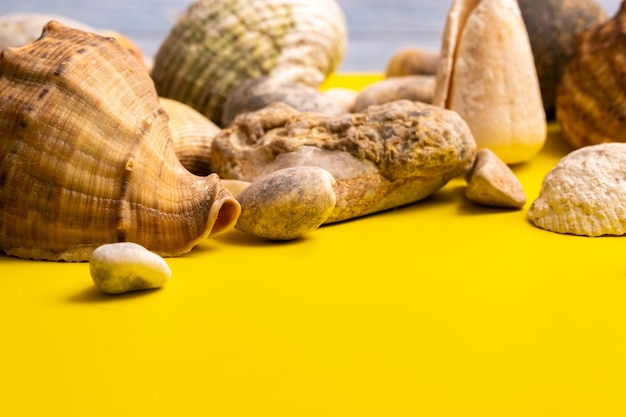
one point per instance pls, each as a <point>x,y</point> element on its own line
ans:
<point>122,267</point>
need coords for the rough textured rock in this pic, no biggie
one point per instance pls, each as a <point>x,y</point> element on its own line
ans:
<point>384,157</point>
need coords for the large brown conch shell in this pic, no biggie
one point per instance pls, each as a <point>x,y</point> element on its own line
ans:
<point>86,156</point>
<point>23,28</point>
<point>591,100</point>
<point>216,45</point>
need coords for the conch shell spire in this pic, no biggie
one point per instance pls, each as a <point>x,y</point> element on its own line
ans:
<point>86,156</point>
<point>487,75</point>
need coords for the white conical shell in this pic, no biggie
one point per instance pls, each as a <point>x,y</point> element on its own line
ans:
<point>487,74</point>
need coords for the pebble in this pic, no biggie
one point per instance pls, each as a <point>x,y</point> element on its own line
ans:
<point>287,204</point>
<point>492,183</point>
<point>118,268</point>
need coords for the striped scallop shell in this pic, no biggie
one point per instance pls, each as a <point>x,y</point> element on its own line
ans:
<point>192,134</point>
<point>218,44</point>
<point>591,99</point>
<point>86,156</point>
<point>585,193</point>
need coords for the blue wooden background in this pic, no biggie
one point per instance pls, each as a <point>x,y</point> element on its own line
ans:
<point>376,28</point>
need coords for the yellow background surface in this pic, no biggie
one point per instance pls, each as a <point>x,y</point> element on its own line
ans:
<point>440,308</point>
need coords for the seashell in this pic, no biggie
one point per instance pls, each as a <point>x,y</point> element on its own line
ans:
<point>384,157</point>
<point>256,93</point>
<point>23,28</point>
<point>129,44</point>
<point>218,44</point>
<point>86,156</point>
<point>585,193</point>
<point>19,29</point>
<point>487,74</point>
<point>551,26</point>
<point>591,100</point>
<point>192,135</point>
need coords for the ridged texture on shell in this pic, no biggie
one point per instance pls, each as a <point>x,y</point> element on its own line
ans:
<point>86,156</point>
<point>218,44</point>
<point>23,28</point>
<point>19,29</point>
<point>591,100</point>
<point>551,26</point>
<point>585,193</point>
<point>192,134</point>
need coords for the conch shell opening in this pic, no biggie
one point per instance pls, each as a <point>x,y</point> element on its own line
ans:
<point>87,158</point>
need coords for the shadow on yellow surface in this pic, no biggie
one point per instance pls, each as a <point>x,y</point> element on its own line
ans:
<point>440,308</point>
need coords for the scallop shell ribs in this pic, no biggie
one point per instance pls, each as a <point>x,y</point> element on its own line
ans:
<point>86,157</point>
<point>591,99</point>
<point>585,193</point>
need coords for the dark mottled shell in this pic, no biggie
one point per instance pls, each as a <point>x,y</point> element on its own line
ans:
<point>551,26</point>
<point>591,100</point>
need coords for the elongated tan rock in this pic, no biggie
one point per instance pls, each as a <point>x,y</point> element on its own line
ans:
<point>387,156</point>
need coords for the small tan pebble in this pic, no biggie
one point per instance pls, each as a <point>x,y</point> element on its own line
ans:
<point>123,267</point>
<point>287,203</point>
<point>257,93</point>
<point>410,87</point>
<point>492,183</point>
<point>344,97</point>
<point>413,61</point>
<point>585,193</point>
